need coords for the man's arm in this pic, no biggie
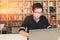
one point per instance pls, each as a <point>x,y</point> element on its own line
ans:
<point>47,24</point>
<point>24,33</point>
<point>22,29</point>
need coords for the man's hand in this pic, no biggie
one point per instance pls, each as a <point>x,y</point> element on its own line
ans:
<point>24,33</point>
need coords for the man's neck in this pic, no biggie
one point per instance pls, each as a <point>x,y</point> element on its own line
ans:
<point>36,19</point>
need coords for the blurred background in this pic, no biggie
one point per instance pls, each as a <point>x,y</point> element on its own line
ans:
<point>13,13</point>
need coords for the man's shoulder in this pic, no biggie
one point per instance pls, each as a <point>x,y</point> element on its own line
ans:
<point>43,16</point>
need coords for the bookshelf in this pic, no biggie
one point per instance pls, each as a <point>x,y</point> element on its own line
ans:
<point>58,11</point>
<point>21,9</point>
<point>13,12</point>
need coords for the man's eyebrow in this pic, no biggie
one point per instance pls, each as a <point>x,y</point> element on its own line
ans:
<point>38,12</point>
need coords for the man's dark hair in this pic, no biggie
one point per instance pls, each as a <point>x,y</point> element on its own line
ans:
<point>37,5</point>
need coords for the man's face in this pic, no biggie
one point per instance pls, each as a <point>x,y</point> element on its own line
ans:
<point>37,13</point>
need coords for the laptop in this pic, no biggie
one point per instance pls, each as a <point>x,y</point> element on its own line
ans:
<point>44,34</point>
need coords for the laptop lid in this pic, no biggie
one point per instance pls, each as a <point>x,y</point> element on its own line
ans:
<point>44,34</point>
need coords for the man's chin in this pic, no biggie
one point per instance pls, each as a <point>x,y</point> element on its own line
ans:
<point>37,18</point>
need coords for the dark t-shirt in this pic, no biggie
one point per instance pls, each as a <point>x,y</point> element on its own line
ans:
<point>30,23</point>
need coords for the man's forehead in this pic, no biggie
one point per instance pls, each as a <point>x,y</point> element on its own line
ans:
<point>38,9</point>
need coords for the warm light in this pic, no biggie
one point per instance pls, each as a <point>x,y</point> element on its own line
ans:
<point>10,6</point>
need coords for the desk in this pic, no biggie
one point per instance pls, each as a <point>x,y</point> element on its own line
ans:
<point>12,37</point>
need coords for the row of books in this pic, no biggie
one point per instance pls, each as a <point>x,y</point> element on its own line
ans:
<point>19,0</point>
<point>28,4</point>
<point>12,17</point>
<point>19,4</point>
<point>15,17</point>
<point>16,10</point>
<point>3,17</point>
<point>14,24</point>
<point>26,11</point>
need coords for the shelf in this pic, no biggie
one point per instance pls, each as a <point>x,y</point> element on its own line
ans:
<point>45,7</point>
<point>27,4</point>
<point>58,10</point>
<point>52,4</point>
<point>58,0</point>
<point>15,0</point>
<point>37,0</point>
<point>25,11</point>
<point>58,14</point>
<point>50,13</point>
<point>45,4</point>
<point>52,0</point>
<point>13,26</point>
<point>15,17</point>
<point>59,17</point>
<point>15,21</point>
<point>58,4</point>
<point>3,21</point>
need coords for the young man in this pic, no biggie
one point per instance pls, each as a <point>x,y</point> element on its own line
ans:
<point>35,21</point>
